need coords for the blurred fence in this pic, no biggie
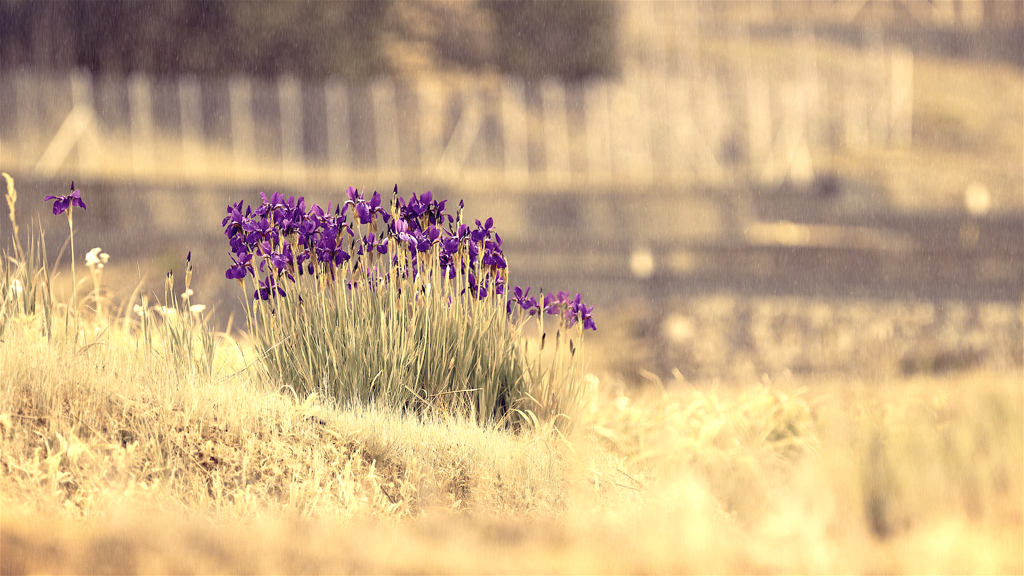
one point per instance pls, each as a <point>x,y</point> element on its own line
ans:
<point>696,109</point>
<point>697,121</point>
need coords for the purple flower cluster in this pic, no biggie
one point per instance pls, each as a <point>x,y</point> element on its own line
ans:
<point>281,239</point>
<point>570,310</point>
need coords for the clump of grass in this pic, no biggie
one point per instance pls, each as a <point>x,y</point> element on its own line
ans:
<point>85,430</point>
<point>405,309</point>
<point>185,339</point>
<point>909,477</point>
<point>189,342</point>
<point>24,277</point>
<point>744,443</point>
<point>139,407</point>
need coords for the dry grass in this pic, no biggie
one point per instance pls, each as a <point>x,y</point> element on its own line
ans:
<point>110,462</point>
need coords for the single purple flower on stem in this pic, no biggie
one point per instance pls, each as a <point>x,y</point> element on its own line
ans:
<point>283,259</point>
<point>258,231</point>
<point>449,246</point>
<point>493,256</point>
<point>267,288</point>
<point>372,242</point>
<point>239,267</point>
<point>67,201</point>
<point>354,197</point>
<point>275,203</point>
<point>570,312</point>
<point>483,231</point>
<point>329,252</point>
<point>400,230</point>
<point>235,220</point>
<point>524,300</point>
<point>426,238</point>
<point>556,304</point>
<point>587,318</point>
<point>238,245</point>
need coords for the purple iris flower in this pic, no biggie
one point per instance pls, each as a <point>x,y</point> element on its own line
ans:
<point>275,203</point>
<point>586,316</point>
<point>301,259</point>
<point>307,232</point>
<point>366,210</point>
<point>284,258</point>
<point>289,219</point>
<point>400,229</point>
<point>267,288</point>
<point>258,231</point>
<point>524,300</point>
<point>354,197</point>
<point>427,238</point>
<point>373,243</point>
<point>493,255</point>
<point>239,267</point>
<point>67,201</point>
<point>328,251</point>
<point>477,290</point>
<point>235,220</point>
<point>238,245</point>
<point>556,304</point>
<point>483,231</point>
<point>235,273</point>
<point>450,246</point>
<point>570,312</point>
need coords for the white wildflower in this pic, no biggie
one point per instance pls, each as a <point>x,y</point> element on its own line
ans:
<point>96,258</point>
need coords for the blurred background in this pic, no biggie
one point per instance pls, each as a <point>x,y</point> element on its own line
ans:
<point>742,188</point>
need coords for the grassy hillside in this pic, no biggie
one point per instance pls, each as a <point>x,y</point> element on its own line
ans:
<point>333,438</point>
<point>112,459</point>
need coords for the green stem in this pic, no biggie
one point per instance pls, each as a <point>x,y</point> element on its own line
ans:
<point>74,279</point>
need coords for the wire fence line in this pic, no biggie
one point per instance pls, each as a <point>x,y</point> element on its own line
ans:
<point>704,124</point>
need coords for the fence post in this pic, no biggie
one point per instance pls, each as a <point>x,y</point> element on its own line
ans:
<point>683,133</point>
<point>630,128</point>
<point>806,45</point>
<point>972,14</point>
<point>514,131</point>
<point>141,112</point>
<point>902,93</point>
<point>385,124</point>
<point>82,99</point>
<point>658,110</point>
<point>759,126</point>
<point>708,134</point>
<point>243,128</point>
<point>26,86</point>
<point>878,79</point>
<point>598,132</point>
<point>855,107</point>
<point>943,13</point>
<point>557,165</point>
<point>430,99</point>
<point>456,153</point>
<point>338,129</point>
<point>190,101</point>
<point>791,157</point>
<point>293,157</point>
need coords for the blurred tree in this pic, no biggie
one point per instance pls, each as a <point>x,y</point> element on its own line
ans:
<point>36,32</point>
<point>311,39</point>
<point>567,38</point>
<point>305,38</point>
